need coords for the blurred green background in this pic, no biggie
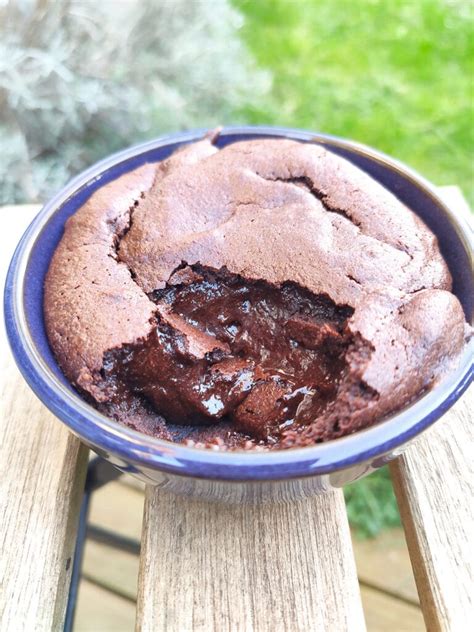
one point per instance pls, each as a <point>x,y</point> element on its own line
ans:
<point>396,75</point>
<point>79,80</point>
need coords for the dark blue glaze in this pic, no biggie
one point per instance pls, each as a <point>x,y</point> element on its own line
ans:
<point>293,472</point>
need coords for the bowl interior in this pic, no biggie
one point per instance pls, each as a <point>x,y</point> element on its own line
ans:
<point>32,263</point>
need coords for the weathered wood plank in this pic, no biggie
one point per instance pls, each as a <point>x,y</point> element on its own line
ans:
<point>118,571</point>
<point>42,471</point>
<point>434,485</point>
<point>208,566</point>
<point>382,563</point>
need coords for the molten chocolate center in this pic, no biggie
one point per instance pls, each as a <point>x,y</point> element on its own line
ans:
<point>227,348</point>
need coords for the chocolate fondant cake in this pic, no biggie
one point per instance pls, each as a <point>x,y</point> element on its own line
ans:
<point>265,295</point>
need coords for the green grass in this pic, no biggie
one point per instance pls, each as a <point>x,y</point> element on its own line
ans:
<point>396,75</point>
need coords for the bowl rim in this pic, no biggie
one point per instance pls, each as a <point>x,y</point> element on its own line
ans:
<point>142,450</point>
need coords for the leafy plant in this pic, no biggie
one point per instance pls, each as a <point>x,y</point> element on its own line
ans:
<point>371,504</point>
<point>79,80</point>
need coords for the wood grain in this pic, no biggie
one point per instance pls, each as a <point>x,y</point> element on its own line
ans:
<point>434,485</point>
<point>42,471</point>
<point>208,567</point>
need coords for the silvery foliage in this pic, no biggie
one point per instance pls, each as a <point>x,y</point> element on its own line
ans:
<point>79,79</point>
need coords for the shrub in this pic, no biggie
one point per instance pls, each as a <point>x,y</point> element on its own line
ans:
<point>80,79</point>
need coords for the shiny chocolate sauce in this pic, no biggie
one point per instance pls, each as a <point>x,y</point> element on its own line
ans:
<point>228,349</point>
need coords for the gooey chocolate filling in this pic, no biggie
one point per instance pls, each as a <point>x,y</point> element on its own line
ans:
<point>224,348</point>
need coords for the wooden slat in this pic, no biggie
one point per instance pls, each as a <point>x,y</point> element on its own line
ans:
<point>207,566</point>
<point>118,572</point>
<point>434,485</point>
<point>42,471</point>
<point>372,555</point>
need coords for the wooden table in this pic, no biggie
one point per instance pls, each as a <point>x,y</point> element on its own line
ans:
<point>213,567</point>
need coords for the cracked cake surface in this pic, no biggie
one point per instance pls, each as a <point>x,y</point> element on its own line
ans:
<point>266,295</point>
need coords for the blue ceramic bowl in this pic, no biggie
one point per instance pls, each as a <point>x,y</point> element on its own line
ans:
<point>232,476</point>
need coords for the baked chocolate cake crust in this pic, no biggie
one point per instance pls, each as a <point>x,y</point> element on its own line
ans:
<point>267,294</point>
